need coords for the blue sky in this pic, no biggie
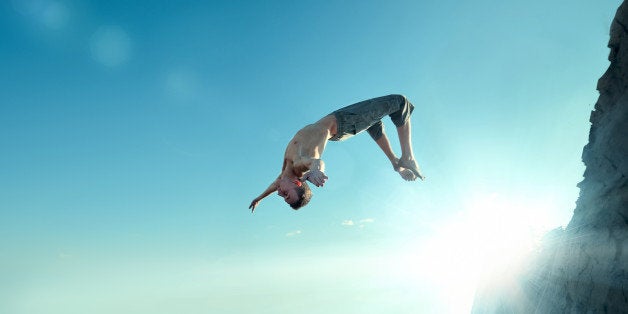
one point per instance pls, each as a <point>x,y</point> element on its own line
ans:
<point>135,135</point>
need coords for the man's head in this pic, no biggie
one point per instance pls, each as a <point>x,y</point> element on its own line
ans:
<point>296,193</point>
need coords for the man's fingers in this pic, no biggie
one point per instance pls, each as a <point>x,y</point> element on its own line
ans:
<point>317,177</point>
<point>253,205</point>
<point>321,180</point>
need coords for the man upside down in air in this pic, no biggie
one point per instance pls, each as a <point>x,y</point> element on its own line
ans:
<point>302,160</point>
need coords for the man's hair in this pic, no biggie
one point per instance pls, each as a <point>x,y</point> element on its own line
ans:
<point>304,193</point>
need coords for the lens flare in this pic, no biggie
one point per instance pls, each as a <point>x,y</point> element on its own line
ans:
<point>111,46</point>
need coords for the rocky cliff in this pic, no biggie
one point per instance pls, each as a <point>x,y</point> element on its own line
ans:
<point>584,268</point>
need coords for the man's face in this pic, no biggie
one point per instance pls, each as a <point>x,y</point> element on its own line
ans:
<point>286,189</point>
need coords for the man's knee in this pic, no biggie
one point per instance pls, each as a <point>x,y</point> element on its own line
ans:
<point>401,116</point>
<point>376,130</point>
<point>401,99</point>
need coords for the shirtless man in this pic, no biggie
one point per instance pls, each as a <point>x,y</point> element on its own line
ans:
<point>302,160</point>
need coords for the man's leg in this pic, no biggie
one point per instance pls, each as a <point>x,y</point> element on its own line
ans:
<point>401,119</point>
<point>368,114</point>
<point>407,155</point>
<point>377,133</point>
<point>405,140</point>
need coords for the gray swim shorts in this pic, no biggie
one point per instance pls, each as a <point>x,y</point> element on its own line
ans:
<point>367,115</point>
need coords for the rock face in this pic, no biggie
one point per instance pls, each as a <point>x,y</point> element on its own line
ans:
<point>584,268</point>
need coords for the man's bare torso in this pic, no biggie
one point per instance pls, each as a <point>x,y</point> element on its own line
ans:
<point>308,144</point>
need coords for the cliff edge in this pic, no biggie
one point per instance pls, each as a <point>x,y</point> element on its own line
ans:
<point>583,268</point>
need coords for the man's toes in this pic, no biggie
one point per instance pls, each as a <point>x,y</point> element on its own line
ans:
<point>412,166</point>
<point>407,175</point>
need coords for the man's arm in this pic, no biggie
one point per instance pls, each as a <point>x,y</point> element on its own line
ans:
<point>315,170</point>
<point>312,140</point>
<point>311,144</point>
<point>306,163</point>
<point>315,174</point>
<point>269,190</point>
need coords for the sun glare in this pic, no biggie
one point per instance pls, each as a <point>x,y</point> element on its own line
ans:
<point>481,245</point>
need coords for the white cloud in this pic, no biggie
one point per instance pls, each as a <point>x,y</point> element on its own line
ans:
<point>293,233</point>
<point>360,223</point>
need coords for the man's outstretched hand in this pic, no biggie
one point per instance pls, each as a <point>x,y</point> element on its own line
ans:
<point>317,177</point>
<point>254,204</point>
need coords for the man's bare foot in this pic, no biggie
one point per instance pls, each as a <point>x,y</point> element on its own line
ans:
<point>411,165</point>
<point>405,174</point>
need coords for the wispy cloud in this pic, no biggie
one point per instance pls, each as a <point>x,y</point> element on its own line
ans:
<point>64,255</point>
<point>293,233</point>
<point>360,223</point>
